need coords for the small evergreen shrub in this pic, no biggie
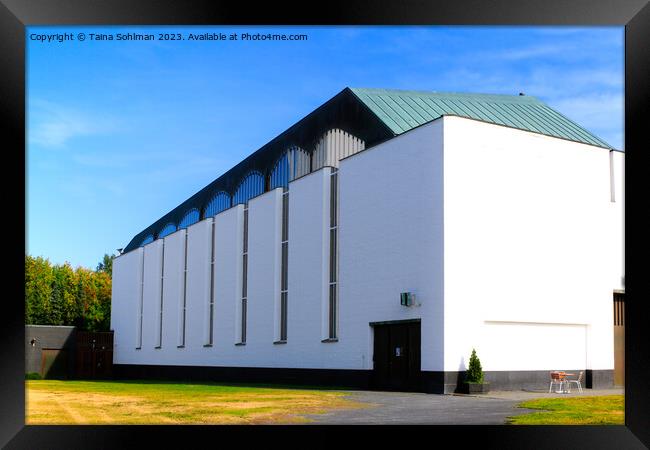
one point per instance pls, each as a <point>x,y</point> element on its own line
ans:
<point>474,371</point>
<point>33,376</point>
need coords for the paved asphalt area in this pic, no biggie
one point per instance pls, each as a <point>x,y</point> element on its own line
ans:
<point>401,408</point>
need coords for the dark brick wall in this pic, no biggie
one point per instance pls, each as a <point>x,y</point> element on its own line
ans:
<point>48,337</point>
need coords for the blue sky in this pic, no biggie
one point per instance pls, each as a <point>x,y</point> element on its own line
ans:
<point>121,132</point>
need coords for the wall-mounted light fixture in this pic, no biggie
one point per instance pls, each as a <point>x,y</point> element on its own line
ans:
<point>408,299</point>
<point>33,342</point>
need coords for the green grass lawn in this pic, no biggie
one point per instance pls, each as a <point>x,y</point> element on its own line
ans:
<point>135,402</point>
<point>597,410</point>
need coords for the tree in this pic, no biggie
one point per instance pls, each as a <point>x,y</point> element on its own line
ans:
<point>99,313</point>
<point>474,371</point>
<point>61,295</point>
<point>86,297</point>
<point>38,290</point>
<point>63,291</point>
<point>106,264</point>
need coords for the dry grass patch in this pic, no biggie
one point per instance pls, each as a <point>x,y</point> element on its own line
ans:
<point>116,403</point>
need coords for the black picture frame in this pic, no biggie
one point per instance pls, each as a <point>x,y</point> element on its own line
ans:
<point>15,15</point>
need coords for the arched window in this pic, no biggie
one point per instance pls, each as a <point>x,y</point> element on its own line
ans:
<point>251,186</point>
<point>220,202</point>
<point>333,146</point>
<point>167,230</point>
<point>147,240</point>
<point>280,173</point>
<point>293,164</point>
<point>298,163</point>
<point>192,216</point>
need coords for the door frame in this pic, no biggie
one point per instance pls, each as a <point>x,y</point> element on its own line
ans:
<point>412,384</point>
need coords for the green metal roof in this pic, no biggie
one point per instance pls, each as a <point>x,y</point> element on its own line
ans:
<point>404,110</point>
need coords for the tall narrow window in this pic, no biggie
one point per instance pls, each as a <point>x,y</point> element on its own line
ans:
<point>183,315</point>
<point>244,287</point>
<point>162,282</point>
<point>284,288</point>
<point>333,283</point>
<point>211,306</point>
<point>139,343</point>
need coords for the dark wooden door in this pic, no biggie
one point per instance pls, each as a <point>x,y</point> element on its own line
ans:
<point>396,356</point>
<point>94,354</point>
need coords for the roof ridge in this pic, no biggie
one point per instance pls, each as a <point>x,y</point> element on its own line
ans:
<point>517,97</point>
<point>400,109</point>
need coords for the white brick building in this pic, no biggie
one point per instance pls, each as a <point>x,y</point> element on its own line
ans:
<point>502,218</point>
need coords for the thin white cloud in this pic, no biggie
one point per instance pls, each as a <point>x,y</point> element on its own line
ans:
<point>602,114</point>
<point>560,81</point>
<point>591,98</point>
<point>53,125</point>
<point>559,31</point>
<point>535,51</point>
<point>586,47</point>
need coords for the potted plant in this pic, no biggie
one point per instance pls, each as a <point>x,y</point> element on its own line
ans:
<point>474,378</point>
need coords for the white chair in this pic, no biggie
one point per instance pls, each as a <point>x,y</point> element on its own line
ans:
<point>577,381</point>
<point>556,378</point>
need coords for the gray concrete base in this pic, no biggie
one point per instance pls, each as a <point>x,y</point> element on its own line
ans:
<point>430,382</point>
<point>516,380</point>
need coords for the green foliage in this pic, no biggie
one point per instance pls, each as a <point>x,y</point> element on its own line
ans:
<point>474,371</point>
<point>33,376</point>
<point>106,264</point>
<point>61,295</point>
<point>65,280</point>
<point>38,290</point>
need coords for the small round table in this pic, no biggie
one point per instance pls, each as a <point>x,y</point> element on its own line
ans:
<point>563,379</point>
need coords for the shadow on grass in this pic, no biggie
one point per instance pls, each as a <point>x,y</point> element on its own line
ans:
<point>222,384</point>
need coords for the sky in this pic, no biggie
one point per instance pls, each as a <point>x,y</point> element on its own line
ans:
<point>121,132</point>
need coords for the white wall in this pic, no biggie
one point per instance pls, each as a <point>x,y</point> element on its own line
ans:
<point>227,289</point>
<point>199,244</point>
<point>529,239</point>
<point>308,279</point>
<point>530,251</point>
<point>618,271</point>
<point>151,297</point>
<point>173,290</point>
<point>125,301</point>
<point>390,237</point>
<point>264,227</point>
<point>174,251</point>
<point>560,346</point>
